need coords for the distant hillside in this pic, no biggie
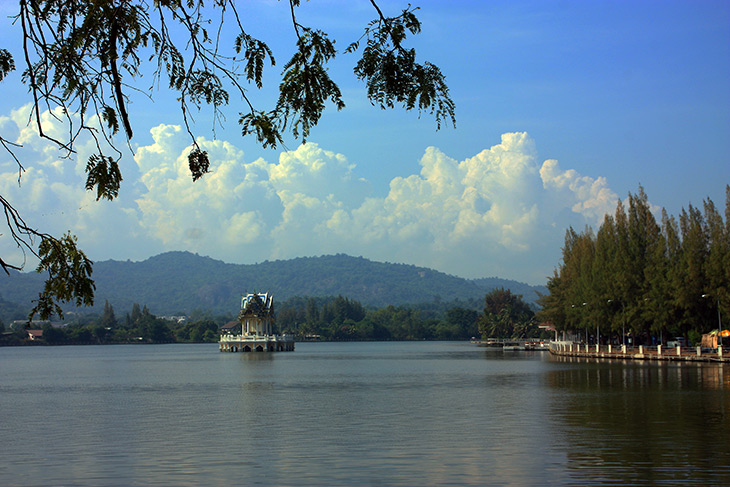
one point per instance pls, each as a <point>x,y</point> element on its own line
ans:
<point>180,282</point>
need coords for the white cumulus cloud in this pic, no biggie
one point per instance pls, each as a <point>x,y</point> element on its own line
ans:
<point>591,197</point>
<point>495,213</point>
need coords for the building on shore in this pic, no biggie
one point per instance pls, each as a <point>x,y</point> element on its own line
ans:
<point>256,332</point>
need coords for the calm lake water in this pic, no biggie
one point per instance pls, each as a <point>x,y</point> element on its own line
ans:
<point>334,414</point>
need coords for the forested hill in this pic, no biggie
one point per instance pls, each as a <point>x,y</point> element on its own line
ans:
<point>180,282</point>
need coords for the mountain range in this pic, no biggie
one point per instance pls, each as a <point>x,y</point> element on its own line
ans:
<point>180,282</point>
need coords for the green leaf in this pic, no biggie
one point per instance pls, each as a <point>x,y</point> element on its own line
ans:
<point>69,276</point>
<point>306,85</point>
<point>109,115</point>
<point>264,126</point>
<point>104,174</point>
<point>393,76</point>
<point>206,86</point>
<point>7,63</point>
<point>255,53</point>
<point>198,163</point>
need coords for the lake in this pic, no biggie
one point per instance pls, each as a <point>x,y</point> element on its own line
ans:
<point>334,414</point>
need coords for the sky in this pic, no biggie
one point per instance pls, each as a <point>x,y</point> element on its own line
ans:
<point>562,109</point>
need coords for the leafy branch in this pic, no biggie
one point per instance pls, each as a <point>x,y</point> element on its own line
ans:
<point>82,57</point>
<point>391,73</point>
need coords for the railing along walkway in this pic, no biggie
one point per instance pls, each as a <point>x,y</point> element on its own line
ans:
<point>641,352</point>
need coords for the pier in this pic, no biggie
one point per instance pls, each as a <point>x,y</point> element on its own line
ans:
<point>640,352</point>
<point>528,344</point>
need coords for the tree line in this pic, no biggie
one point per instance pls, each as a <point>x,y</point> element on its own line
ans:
<point>505,315</point>
<point>341,318</point>
<point>643,278</point>
<point>136,326</point>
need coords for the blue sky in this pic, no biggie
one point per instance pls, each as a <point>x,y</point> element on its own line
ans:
<point>563,107</point>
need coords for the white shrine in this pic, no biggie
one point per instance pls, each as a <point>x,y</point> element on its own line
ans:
<point>257,328</point>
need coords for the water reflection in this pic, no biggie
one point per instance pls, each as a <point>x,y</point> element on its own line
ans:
<point>642,374</point>
<point>629,423</point>
<point>356,414</point>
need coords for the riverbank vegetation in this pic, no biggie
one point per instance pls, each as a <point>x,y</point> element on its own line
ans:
<point>652,280</point>
<point>339,318</point>
<point>506,315</point>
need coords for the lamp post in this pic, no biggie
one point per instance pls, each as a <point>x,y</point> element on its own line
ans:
<point>719,321</point>
<point>661,330</point>
<point>574,306</point>
<point>623,325</point>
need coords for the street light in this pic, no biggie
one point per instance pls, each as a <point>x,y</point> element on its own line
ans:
<point>623,325</point>
<point>719,321</point>
<point>574,306</point>
<point>598,331</point>
<point>661,330</point>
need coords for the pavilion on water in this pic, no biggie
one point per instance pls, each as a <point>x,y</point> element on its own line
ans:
<point>256,333</point>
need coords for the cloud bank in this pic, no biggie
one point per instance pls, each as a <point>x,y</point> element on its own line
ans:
<point>500,212</point>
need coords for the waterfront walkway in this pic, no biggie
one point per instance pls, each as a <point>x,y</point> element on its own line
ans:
<point>641,352</point>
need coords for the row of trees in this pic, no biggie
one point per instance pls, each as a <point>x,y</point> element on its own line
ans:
<point>346,319</point>
<point>505,315</point>
<point>137,326</point>
<point>319,311</point>
<point>638,276</point>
